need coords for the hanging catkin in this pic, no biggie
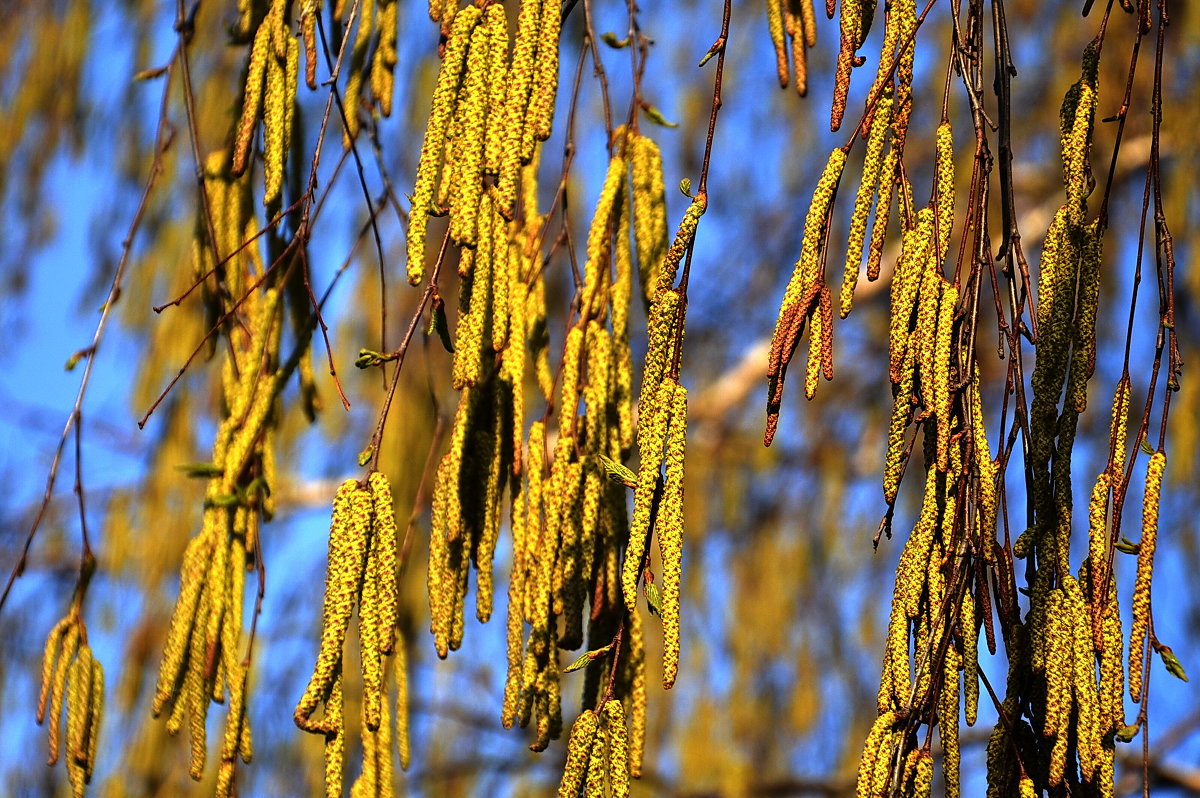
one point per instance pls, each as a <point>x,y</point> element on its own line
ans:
<point>1145,568</point>
<point>803,288</point>
<point>670,531</point>
<point>872,167</point>
<point>445,96</point>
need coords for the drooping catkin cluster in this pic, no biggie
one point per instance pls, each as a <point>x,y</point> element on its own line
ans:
<point>930,667</point>
<point>867,189</point>
<point>203,660</point>
<point>793,27</point>
<point>361,574</point>
<point>806,299</point>
<point>854,25</point>
<point>71,674</point>
<point>269,96</point>
<point>490,108</point>
<point>565,474</point>
<point>597,753</point>
<point>570,516</point>
<point>1074,632</point>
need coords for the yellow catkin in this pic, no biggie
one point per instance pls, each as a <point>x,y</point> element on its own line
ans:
<point>599,238</point>
<point>50,654</point>
<point>649,211</point>
<point>444,97</point>
<point>775,27</point>
<point>872,749</point>
<point>1112,670</point>
<point>923,775</point>
<point>808,23</point>
<point>948,724</point>
<point>579,748</point>
<point>988,500</point>
<point>234,726</point>
<point>485,546</point>
<point>670,534</point>
<point>502,279</point>
<point>902,407</point>
<point>636,664</point>
<point>383,65</point>
<point>79,705</point>
<point>571,388</point>
<point>881,774</point>
<point>812,368</point>
<point>1098,529</point>
<point>516,101</point>
<point>1145,569</point>
<point>58,685</point>
<point>917,552</point>
<point>1117,428</point>
<point>895,683</point>
<point>807,266</point>
<point>274,115</point>
<point>1087,716</point>
<point>469,145</point>
<point>96,717</point>
<point>883,210</point>
<point>308,32</point>
<point>684,237</point>
<point>1083,355</point>
<point>447,183</point>
<point>516,354</point>
<point>197,693</point>
<point>335,741</point>
<point>803,287</point>
<point>872,166</point>
<point>906,283</point>
<point>195,559</point>
<point>387,556</point>
<point>540,116</point>
<point>352,95</point>
<point>472,325</point>
<point>1075,152</point>
<point>348,533</point>
<point>252,97</point>
<point>533,506</point>
<point>652,435</point>
<point>369,633</point>
<point>513,682</point>
<point>970,657</point>
<point>496,21</point>
<point>943,361</point>
<point>660,333</point>
<point>400,673</point>
<point>800,61</point>
<point>620,393</point>
<point>594,783</point>
<point>943,187</point>
<point>618,748</point>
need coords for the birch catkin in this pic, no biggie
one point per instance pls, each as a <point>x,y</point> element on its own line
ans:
<point>445,96</point>
<point>670,532</point>
<point>872,167</point>
<point>516,101</point>
<point>649,211</point>
<point>1145,568</point>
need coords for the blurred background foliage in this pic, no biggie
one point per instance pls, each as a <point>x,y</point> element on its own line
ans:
<point>785,600</point>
